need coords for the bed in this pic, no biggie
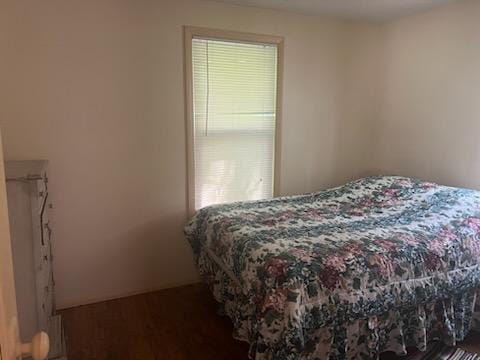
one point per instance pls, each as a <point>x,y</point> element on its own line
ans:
<point>379,264</point>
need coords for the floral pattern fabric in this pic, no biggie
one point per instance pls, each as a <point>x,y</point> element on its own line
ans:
<point>379,264</point>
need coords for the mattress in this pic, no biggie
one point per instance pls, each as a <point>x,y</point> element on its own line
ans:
<point>378,264</point>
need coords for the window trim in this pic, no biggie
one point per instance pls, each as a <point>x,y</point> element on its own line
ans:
<point>189,33</point>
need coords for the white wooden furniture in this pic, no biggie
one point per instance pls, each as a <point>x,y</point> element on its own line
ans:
<point>31,233</point>
<point>11,348</point>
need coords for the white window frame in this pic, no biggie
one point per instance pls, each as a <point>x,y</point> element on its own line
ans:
<point>189,33</point>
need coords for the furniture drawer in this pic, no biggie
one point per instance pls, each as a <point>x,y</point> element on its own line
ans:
<point>29,207</point>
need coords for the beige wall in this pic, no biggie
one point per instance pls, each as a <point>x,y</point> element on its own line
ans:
<point>429,125</point>
<point>362,86</point>
<point>96,87</point>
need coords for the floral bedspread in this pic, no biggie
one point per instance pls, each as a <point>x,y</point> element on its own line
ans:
<point>378,264</point>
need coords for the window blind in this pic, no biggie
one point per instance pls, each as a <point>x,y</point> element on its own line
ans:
<point>234,104</point>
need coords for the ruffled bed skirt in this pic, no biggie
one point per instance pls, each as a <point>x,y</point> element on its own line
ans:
<point>447,320</point>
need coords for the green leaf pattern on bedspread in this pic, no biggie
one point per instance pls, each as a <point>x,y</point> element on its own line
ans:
<point>378,264</point>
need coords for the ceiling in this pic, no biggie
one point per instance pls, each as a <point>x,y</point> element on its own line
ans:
<point>375,10</point>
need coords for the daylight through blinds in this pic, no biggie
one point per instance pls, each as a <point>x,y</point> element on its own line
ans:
<point>234,103</point>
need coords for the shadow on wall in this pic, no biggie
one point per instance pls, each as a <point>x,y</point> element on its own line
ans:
<point>155,249</point>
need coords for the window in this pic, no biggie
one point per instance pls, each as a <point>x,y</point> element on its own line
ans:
<point>232,116</point>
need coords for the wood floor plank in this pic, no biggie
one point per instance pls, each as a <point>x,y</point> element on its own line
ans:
<point>178,324</point>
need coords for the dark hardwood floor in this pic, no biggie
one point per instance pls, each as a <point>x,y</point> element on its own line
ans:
<point>179,323</point>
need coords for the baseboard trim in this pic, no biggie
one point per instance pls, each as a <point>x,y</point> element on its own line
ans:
<point>72,304</point>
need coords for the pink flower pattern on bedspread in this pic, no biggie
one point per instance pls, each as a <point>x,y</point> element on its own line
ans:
<point>382,255</point>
